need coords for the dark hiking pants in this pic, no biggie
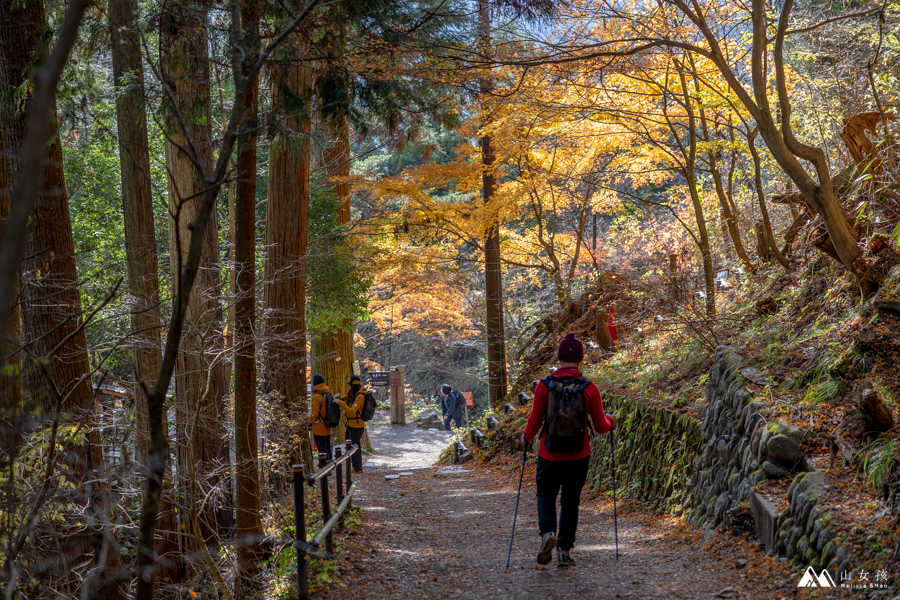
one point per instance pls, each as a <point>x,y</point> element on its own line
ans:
<point>355,434</point>
<point>456,419</point>
<point>323,444</point>
<point>553,476</point>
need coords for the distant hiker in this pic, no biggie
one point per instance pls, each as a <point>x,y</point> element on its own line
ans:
<point>353,404</point>
<point>452,406</point>
<point>325,415</point>
<point>562,403</point>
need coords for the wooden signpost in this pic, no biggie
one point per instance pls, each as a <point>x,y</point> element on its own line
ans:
<point>379,378</point>
<point>398,396</point>
<point>393,379</point>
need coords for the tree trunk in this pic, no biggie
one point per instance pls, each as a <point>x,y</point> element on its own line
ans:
<point>52,337</point>
<point>732,230</point>
<point>856,135</point>
<point>140,251</point>
<point>493,274</point>
<point>187,277</point>
<point>763,247</point>
<point>286,248</point>
<point>602,336</point>
<point>763,209</point>
<point>248,523</point>
<point>11,407</point>
<point>10,359</point>
<point>706,254</point>
<point>200,387</point>
<point>690,161</point>
<point>332,351</point>
<point>731,225</point>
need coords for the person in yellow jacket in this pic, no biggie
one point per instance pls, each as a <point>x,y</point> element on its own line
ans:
<point>353,404</point>
<point>321,432</point>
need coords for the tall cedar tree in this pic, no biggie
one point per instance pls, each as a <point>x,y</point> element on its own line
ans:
<point>287,217</point>
<point>10,375</point>
<point>55,359</point>
<point>200,387</point>
<point>248,524</point>
<point>332,351</point>
<point>140,250</point>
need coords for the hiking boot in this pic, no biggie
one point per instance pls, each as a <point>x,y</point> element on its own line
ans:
<point>548,543</point>
<point>563,559</point>
<point>357,470</point>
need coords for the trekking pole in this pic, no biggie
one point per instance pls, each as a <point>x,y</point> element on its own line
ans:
<point>516,512</point>
<point>612,444</point>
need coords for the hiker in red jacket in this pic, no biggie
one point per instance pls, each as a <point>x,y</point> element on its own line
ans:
<point>562,404</point>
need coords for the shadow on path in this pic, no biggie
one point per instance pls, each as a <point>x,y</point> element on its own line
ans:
<point>436,533</point>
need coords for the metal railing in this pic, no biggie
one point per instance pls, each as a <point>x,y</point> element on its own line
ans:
<point>344,490</point>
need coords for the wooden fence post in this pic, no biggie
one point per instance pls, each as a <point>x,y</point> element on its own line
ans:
<point>401,396</point>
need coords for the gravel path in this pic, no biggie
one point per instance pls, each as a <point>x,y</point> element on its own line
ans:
<point>400,447</point>
<point>444,533</point>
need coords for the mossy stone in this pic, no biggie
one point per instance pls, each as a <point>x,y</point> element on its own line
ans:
<point>774,470</point>
<point>783,449</point>
<point>802,545</point>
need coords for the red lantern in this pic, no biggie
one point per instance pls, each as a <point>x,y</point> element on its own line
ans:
<point>611,326</point>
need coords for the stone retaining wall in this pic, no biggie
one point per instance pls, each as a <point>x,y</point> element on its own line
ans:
<point>657,450</point>
<point>707,471</point>
<point>804,532</point>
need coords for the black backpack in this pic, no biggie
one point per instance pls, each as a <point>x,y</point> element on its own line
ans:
<point>458,400</point>
<point>368,410</point>
<point>566,416</point>
<point>332,412</point>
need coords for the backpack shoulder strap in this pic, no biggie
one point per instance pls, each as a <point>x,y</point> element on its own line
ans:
<point>579,383</point>
<point>320,416</point>
<point>551,381</point>
<point>359,410</point>
<point>552,384</point>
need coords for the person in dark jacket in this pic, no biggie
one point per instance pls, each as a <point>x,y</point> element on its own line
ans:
<point>321,432</point>
<point>452,406</point>
<point>563,471</point>
<point>352,404</point>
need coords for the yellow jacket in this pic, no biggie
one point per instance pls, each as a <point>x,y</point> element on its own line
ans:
<point>354,411</point>
<point>318,410</point>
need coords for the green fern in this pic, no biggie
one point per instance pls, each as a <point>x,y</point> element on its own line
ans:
<point>878,458</point>
<point>826,391</point>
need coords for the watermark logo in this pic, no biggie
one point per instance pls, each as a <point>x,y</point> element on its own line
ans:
<point>865,580</point>
<point>810,579</point>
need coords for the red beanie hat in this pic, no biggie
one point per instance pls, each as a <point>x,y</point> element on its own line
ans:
<point>570,349</point>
